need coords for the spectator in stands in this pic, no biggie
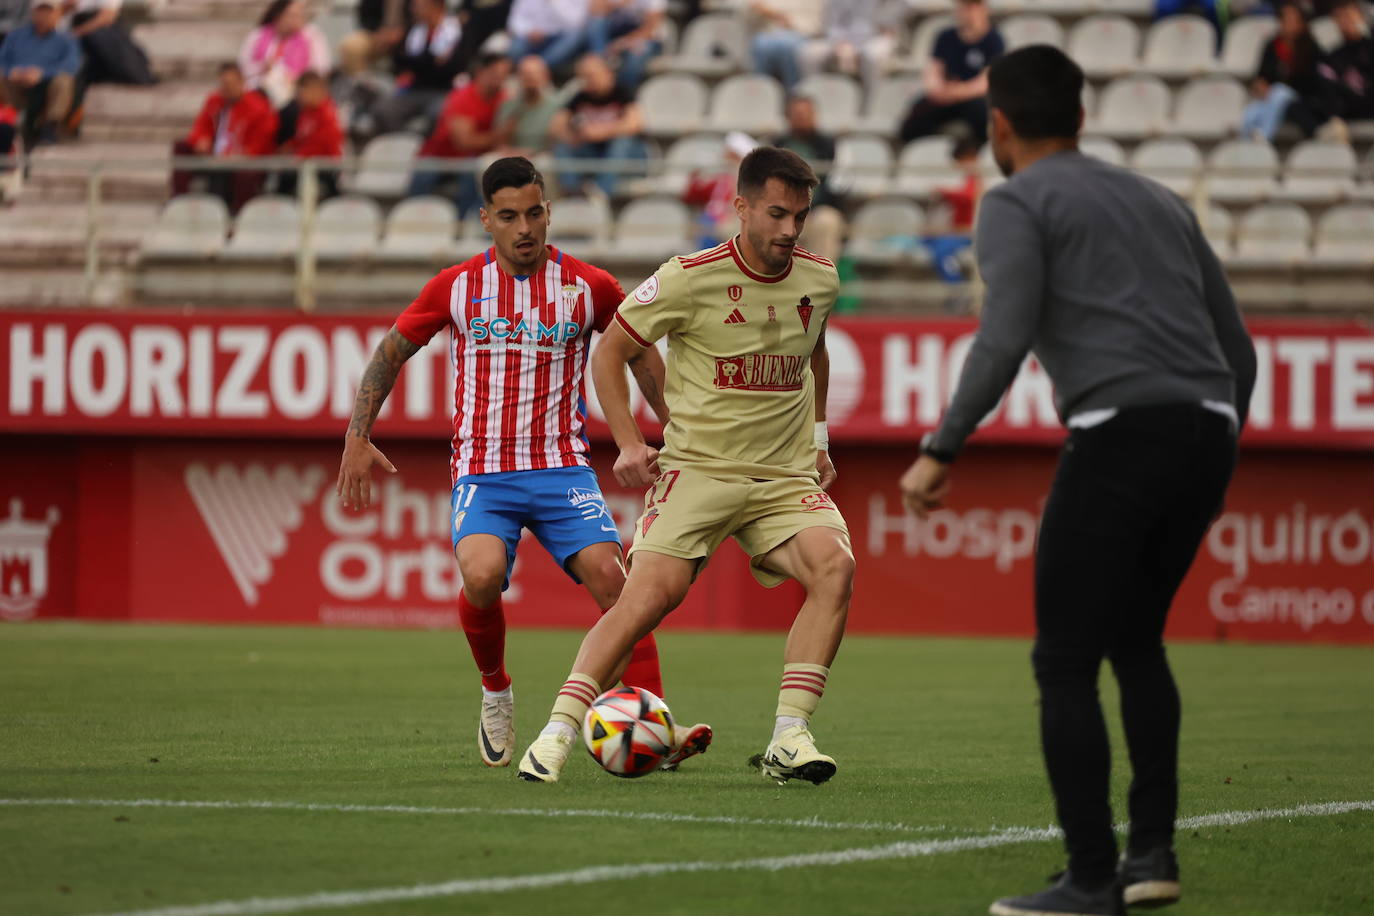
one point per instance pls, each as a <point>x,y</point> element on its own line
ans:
<point>38,67</point>
<point>1289,86</point>
<point>308,128</point>
<point>824,232</point>
<point>111,55</point>
<point>283,47</point>
<point>715,192</point>
<point>858,38</point>
<point>602,121</point>
<point>480,19</point>
<point>787,26</point>
<point>1352,64</point>
<point>232,122</point>
<point>955,80</point>
<point>9,128</point>
<point>961,206</point>
<point>466,129</point>
<point>426,63</point>
<point>382,24</point>
<point>556,30</point>
<point>629,33</point>
<point>526,118</point>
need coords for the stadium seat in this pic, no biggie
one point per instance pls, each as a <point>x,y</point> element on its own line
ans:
<point>699,153</point>
<point>1326,32</point>
<point>713,45</point>
<point>925,165</point>
<point>923,41</point>
<point>267,227</point>
<point>1172,161</point>
<point>580,225</point>
<point>1272,235</point>
<point>1244,43</point>
<point>863,165</point>
<point>1104,148</point>
<point>838,101</point>
<point>1132,107</point>
<point>888,103</point>
<point>1317,172</point>
<point>1345,237</point>
<point>1241,171</point>
<point>1135,8</point>
<point>673,104</point>
<point>988,169</point>
<point>653,229</point>
<point>1209,108</point>
<point>1030,29</point>
<point>1105,46</point>
<point>191,226</point>
<point>347,228</point>
<point>384,166</point>
<point>419,229</point>
<point>1180,46</point>
<point>1219,230</point>
<point>749,102</point>
<point>885,232</point>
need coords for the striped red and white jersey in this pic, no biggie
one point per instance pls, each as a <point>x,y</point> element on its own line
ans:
<point>519,349</point>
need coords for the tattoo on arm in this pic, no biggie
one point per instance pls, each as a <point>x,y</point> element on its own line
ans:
<point>378,379</point>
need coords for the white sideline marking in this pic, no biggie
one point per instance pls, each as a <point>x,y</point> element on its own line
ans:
<point>902,850</point>
<point>810,822</point>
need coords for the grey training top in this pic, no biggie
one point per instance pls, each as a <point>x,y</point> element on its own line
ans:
<point>1107,278</point>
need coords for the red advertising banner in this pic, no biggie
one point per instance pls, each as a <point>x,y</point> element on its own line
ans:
<point>231,531</point>
<point>275,375</point>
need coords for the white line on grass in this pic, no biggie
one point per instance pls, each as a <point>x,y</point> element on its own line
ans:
<point>599,873</point>
<point>810,822</point>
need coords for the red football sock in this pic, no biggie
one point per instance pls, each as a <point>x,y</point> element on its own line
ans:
<point>485,629</point>
<point>643,670</point>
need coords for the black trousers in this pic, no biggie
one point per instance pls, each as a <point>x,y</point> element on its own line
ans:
<point>926,117</point>
<point>1131,501</point>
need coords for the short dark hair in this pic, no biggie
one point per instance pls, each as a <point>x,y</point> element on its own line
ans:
<point>486,59</point>
<point>274,11</point>
<point>965,147</point>
<point>229,67</point>
<point>1039,90</point>
<point>309,78</point>
<point>766,162</point>
<point>510,172</point>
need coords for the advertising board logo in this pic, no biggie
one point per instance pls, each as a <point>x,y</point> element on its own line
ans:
<point>249,513</point>
<point>24,561</point>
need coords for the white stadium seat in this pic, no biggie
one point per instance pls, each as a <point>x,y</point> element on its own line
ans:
<point>1172,161</point>
<point>749,102</point>
<point>673,104</point>
<point>1273,235</point>
<point>925,165</point>
<point>384,166</point>
<point>1209,108</point>
<point>580,225</point>
<point>1244,43</point>
<point>1345,237</point>
<point>1132,107</point>
<point>863,165</point>
<point>1105,46</point>
<point>713,45</point>
<point>1318,173</point>
<point>923,40</point>
<point>191,226</point>
<point>267,227</point>
<point>653,229</point>
<point>419,229</point>
<point>702,154</point>
<point>886,232</point>
<point>1137,8</point>
<point>1219,230</point>
<point>1241,171</point>
<point>837,98</point>
<point>1104,148</point>
<point>888,103</point>
<point>1180,46</point>
<point>347,228</point>
<point>1029,29</point>
<point>1326,32</point>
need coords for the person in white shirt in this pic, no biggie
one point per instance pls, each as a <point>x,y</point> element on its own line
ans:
<point>629,32</point>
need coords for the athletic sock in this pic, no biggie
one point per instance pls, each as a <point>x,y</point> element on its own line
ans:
<point>783,723</point>
<point>643,670</point>
<point>485,629</point>
<point>802,687</point>
<point>497,694</point>
<point>577,694</point>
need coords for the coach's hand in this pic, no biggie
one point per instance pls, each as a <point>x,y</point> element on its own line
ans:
<point>637,465</point>
<point>355,471</point>
<point>826,467</point>
<point>925,485</point>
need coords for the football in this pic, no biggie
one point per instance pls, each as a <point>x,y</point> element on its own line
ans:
<point>629,731</point>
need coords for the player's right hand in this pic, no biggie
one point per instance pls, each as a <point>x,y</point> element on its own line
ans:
<point>355,472</point>
<point>637,465</point>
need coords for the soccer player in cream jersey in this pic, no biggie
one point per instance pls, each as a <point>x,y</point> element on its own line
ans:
<point>745,454</point>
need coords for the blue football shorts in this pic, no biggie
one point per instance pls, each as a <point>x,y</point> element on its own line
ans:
<point>562,507</point>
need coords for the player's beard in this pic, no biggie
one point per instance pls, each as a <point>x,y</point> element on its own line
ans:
<point>525,258</point>
<point>773,261</point>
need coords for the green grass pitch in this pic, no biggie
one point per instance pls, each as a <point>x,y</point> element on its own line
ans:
<point>935,738</point>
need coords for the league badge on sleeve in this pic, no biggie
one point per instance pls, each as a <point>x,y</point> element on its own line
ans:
<point>647,291</point>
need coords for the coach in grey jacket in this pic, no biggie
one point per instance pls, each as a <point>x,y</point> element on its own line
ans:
<point>1107,278</point>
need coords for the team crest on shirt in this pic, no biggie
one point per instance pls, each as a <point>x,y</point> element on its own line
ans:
<point>571,294</point>
<point>735,293</point>
<point>804,310</point>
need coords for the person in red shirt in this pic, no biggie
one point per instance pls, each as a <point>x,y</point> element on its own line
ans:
<point>308,127</point>
<point>467,128</point>
<point>232,122</point>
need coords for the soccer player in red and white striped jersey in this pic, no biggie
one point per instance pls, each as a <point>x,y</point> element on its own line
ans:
<point>520,317</point>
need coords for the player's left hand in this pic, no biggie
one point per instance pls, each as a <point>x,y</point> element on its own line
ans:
<point>925,485</point>
<point>827,469</point>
